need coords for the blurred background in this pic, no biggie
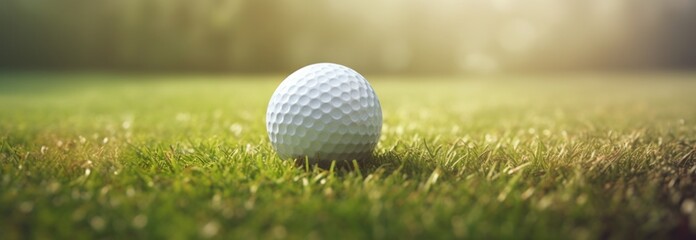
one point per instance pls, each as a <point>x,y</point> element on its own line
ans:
<point>383,37</point>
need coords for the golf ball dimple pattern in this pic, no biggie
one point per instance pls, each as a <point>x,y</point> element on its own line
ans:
<point>324,111</point>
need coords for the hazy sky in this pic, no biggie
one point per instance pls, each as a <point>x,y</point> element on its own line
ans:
<point>392,36</point>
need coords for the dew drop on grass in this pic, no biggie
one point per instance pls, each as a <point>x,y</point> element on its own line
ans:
<point>490,138</point>
<point>688,206</point>
<point>104,190</point>
<point>328,192</point>
<point>546,132</point>
<point>399,130</point>
<point>527,193</point>
<point>130,192</point>
<point>250,204</point>
<point>581,200</point>
<point>53,187</point>
<point>236,129</point>
<point>544,203</point>
<point>216,202</point>
<point>531,131</point>
<point>433,177</point>
<point>250,149</point>
<point>97,223</point>
<point>139,221</point>
<point>126,124</point>
<point>210,229</point>
<point>455,129</point>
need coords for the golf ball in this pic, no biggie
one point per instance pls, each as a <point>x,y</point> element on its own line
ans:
<point>323,112</point>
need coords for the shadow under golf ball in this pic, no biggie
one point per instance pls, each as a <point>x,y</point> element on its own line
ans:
<point>361,162</point>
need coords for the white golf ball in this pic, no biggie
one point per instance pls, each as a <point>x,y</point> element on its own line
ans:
<point>324,111</point>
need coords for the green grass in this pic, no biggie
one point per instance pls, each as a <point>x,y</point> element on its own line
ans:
<point>169,157</point>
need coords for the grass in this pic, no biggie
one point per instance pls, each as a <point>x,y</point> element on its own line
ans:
<point>173,157</point>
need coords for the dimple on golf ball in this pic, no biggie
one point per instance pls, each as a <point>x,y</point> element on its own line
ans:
<point>323,112</point>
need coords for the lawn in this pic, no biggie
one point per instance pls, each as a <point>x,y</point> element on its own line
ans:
<point>583,156</point>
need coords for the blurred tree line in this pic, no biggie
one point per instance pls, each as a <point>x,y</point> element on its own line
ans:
<point>442,36</point>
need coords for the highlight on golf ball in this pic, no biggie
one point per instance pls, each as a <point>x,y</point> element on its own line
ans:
<point>324,112</point>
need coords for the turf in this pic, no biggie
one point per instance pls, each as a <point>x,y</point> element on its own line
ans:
<point>584,156</point>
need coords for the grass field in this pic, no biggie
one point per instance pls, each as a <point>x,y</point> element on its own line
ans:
<point>585,156</point>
